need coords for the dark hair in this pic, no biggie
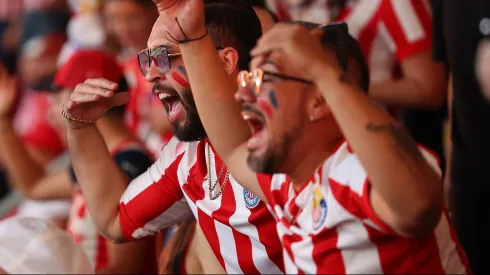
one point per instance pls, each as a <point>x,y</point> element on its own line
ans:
<point>233,23</point>
<point>118,111</point>
<point>343,44</point>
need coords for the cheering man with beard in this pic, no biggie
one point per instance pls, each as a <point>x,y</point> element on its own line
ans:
<point>238,226</point>
<point>370,203</point>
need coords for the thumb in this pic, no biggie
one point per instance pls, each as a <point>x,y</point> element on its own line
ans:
<point>120,99</point>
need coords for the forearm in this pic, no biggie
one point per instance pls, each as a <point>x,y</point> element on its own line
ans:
<point>405,93</point>
<point>213,91</point>
<point>397,170</point>
<point>23,170</point>
<point>101,180</point>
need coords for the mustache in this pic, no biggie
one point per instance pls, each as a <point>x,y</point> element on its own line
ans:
<point>246,107</point>
<point>162,87</point>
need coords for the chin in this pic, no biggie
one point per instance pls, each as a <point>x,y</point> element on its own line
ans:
<point>264,164</point>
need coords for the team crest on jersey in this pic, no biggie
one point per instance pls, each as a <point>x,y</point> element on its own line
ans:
<point>251,201</point>
<point>319,208</point>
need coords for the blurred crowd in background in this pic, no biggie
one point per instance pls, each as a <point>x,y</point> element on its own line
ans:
<point>39,43</point>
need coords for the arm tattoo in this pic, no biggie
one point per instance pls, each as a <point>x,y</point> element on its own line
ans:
<point>404,146</point>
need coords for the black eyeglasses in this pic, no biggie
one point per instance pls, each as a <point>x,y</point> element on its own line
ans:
<point>159,56</point>
<point>255,78</point>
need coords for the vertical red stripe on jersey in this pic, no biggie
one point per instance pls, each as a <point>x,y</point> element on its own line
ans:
<point>226,210</point>
<point>367,35</point>
<point>424,259</point>
<point>327,257</point>
<point>287,241</point>
<point>196,176</point>
<point>423,16</point>
<point>261,218</point>
<point>404,47</point>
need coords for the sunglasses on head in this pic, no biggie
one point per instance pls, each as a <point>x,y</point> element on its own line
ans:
<point>158,56</point>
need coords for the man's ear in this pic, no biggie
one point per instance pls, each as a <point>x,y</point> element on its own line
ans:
<point>229,58</point>
<point>317,107</point>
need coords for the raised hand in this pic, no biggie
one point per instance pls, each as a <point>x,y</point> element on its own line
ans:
<point>8,92</point>
<point>184,19</point>
<point>91,99</point>
<point>301,46</point>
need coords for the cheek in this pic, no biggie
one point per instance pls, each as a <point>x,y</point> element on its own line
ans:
<point>180,76</point>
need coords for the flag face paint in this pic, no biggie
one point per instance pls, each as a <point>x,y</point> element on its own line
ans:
<point>179,79</point>
<point>273,99</point>
<point>182,70</point>
<point>265,107</point>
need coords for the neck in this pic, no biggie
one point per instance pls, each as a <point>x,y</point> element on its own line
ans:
<point>311,157</point>
<point>113,132</point>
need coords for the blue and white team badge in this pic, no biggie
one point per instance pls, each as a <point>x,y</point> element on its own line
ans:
<point>251,201</point>
<point>319,208</point>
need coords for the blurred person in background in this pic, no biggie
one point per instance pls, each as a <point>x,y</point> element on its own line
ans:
<point>396,38</point>
<point>29,118</point>
<point>35,246</point>
<point>129,154</point>
<point>188,252</point>
<point>460,29</point>
<point>131,22</point>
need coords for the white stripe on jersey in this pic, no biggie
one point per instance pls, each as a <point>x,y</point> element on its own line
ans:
<point>408,20</point>
<point>233,231</point>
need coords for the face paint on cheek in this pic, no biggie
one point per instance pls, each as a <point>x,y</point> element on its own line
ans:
<point>273,99</point>
<point>179,79</point>
<point>265,107</point>
<point>182,70</point>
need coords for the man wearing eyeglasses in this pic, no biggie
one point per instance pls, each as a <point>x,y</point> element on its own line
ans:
<point>189,177</point>
<point>351,191</point>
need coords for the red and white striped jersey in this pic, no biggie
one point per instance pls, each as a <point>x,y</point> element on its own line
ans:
<point>238,226</point>
<point>389,31</point>
<point>329,226</point>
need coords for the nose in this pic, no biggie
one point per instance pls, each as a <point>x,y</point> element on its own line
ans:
<point>245,95</point>
<point>154,75</point>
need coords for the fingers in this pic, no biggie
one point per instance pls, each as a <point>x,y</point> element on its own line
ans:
<point>88,88</point>
<point>102,83</point>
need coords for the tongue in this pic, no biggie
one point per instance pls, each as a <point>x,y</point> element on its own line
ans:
<point>174,110</point>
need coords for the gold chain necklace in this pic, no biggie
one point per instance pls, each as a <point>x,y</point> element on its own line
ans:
<point>210,182</point>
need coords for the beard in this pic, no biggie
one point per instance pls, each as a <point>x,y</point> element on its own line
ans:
<point>192,130</point>
<point>275,158</point>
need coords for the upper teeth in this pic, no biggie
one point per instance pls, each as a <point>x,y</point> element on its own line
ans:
<point>163,95</point>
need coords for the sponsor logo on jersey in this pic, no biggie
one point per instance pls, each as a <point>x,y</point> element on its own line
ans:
<point>251,201</point>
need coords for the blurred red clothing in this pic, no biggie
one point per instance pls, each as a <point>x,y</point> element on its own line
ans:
<point>33,126</point>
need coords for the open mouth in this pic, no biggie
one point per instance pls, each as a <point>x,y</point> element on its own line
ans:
<point>173,105</point>
<point>257,128</point>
